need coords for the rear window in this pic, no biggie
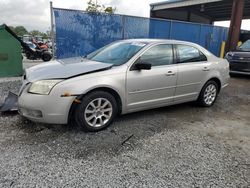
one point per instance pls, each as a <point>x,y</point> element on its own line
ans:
<point>188,54</point>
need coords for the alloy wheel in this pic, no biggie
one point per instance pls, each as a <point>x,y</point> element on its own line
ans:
<point>210,94</point>
<point>98,112</point>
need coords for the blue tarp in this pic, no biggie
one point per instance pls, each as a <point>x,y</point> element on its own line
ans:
<point>79,33</point>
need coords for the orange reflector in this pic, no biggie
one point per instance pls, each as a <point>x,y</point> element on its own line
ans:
<point>77,101</point>
<point>66,94</point>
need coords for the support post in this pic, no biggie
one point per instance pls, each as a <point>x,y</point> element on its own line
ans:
<point>52,29</point>
<point>170,29</point>
<point>123,27</point>
<point>235,25</point>
<point>222,50</point>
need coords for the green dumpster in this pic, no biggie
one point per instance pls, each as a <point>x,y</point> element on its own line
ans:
<point>10,54</point>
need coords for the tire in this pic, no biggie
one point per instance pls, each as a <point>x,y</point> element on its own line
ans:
<point>46,57</point>
<point>27,55</point>
<point>91,116</point>
<point>208,94</point>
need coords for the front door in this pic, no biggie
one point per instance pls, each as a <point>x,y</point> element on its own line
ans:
<point>156,87</point>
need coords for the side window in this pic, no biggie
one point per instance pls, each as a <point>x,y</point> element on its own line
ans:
<point>159,55</point>
<point>189,54</point>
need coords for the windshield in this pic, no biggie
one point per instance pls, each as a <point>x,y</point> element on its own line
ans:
<point>245,45</point>
<point>116,53</point>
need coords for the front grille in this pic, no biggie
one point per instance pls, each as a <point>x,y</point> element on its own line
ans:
<point>239,66</point>
<point>239,59</point>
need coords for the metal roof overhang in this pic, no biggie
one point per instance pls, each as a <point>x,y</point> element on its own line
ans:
<point>178,3</point>
<point>214,10</point>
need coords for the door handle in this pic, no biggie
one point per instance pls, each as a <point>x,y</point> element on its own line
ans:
<point>170,73</point>
<point>206,69</point>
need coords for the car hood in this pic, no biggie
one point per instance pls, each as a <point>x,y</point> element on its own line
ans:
<point>240,54</point>
<point>64,68</point>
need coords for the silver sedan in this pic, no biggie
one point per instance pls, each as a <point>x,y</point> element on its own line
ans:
<point>122,77</point>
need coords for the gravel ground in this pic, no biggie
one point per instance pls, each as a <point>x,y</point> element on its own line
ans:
<point>177,146</point>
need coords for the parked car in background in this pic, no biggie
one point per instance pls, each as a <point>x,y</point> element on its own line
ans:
<point>240,59</point>
<point>26,38</point>
<point>39,38</point>
<point>123,77</point>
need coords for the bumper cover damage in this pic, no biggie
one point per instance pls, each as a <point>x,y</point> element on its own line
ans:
<point>10,103</point>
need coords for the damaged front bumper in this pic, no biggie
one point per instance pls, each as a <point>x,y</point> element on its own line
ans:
<point>10,103</point>
<point>51,109</point>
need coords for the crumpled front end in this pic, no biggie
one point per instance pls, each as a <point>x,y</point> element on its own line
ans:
<point>52,108</point>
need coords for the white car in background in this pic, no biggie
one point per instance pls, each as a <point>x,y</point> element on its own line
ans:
<point>125,76</point>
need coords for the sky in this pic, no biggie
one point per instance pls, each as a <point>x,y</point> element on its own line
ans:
<point>35,14</point>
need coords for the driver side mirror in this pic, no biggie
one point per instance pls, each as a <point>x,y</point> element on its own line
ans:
<point>143,66</point>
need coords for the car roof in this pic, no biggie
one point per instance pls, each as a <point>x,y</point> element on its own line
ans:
<point>168,41</point>
<point>148,41</point>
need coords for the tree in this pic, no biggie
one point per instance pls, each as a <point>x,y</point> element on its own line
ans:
<point>110,10</point>
<point>20,30</point>
<point>49,34</point>
<point>95,7</point>
<point>35,32</point>
<point>45,35</point>
<point>12,28</point>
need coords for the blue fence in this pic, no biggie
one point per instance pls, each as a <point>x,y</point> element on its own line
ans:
<point>79,33</point>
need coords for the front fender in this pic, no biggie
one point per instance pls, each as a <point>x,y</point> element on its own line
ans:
<point>82,85</point>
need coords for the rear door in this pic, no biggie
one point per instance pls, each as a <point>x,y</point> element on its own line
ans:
<point>193,67</point>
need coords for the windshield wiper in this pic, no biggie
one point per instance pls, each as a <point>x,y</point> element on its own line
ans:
<point>84,57</point>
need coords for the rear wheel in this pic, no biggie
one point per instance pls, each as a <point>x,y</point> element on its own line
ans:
<point>46,57</point>
<point>208,94</point>
<point>97,110</point>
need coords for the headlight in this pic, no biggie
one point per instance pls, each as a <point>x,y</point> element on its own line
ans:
<point>229,55</point>
<point>43,87</point>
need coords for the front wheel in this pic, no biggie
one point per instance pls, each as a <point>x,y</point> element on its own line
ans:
<point>96,111</point>
<point>208,94</point>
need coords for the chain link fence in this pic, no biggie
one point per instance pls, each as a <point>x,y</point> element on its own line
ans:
<point>79,33</point>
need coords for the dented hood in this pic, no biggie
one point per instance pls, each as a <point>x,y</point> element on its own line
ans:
<point>64,68</point>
